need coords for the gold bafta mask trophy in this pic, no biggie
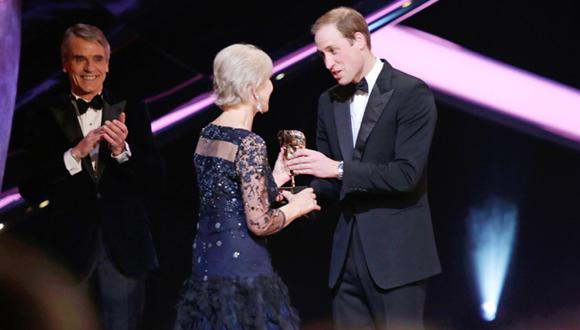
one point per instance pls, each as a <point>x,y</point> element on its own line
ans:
<point>292,140</point>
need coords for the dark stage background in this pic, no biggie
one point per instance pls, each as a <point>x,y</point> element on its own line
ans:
<point>475,158</point>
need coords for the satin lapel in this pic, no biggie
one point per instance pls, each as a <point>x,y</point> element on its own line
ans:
<point>68,122</point>
<point>375,108</point>
<point>67,119</point>
<point>110,112</point>
<point>378,100</point>
<point>343,128</point>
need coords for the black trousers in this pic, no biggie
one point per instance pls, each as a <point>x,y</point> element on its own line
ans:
<point>358,303</point>
<point>119,298</point>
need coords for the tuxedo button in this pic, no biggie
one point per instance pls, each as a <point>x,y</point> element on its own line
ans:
<point>99,195</point>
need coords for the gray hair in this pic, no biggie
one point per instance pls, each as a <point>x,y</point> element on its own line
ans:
<point>86,32</point>
<point>236,69</point>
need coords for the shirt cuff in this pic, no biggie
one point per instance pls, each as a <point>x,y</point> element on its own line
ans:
<point>124,156</point>
<point>72,165</point>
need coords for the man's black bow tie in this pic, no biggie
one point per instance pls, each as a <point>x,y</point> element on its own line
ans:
<point>96,103</point>
<point>362,86</point>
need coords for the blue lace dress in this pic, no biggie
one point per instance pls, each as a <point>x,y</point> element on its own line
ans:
<point>233,285</point>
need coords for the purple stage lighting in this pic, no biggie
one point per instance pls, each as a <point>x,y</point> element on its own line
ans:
<point>479,80</point>
<point>9,59</point>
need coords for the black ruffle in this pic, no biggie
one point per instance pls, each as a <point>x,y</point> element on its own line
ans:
<point>260,303</point>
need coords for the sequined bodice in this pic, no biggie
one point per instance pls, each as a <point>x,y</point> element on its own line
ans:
<point>223,245</point>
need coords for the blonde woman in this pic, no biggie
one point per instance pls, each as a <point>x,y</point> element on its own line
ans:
<point>233,285</point>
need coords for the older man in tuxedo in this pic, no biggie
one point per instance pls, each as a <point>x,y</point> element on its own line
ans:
<point>89,159</point>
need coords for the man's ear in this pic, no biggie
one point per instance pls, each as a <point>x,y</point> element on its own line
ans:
<point>360,40</point>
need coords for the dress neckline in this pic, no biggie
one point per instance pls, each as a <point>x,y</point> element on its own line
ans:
<point>230,127</point>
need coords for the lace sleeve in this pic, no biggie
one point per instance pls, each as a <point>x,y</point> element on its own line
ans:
<point>254,172</point>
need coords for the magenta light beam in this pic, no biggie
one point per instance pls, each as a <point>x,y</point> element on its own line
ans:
<point>461,73</point>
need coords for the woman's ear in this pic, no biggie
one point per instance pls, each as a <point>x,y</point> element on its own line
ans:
<point>254,92</point>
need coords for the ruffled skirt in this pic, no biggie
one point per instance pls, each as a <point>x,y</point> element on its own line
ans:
<point>260,303</point>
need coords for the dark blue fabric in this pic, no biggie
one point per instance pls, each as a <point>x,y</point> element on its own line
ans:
<point>233,285</point>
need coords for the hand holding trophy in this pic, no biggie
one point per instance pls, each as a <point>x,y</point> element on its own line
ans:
<point>292,140</point>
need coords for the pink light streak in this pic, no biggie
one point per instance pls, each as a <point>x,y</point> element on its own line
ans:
<point>201,102</point>
<point>412,12</point>
<point>456,71</point>
<point>10,196</point>
<point>388,9</point>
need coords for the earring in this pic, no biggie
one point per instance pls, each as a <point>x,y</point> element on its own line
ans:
<point>258,104</point>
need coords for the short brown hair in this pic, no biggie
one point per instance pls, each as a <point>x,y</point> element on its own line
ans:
<point>86,32</point>
<point>347,20</point>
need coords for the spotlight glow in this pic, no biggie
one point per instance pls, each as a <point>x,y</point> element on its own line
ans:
<point>491,231</point>
<point>488,310</point>
<point>1,226</point>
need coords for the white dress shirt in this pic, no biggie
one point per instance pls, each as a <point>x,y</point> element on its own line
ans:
<point>360,100</point>
<point>89,121</point>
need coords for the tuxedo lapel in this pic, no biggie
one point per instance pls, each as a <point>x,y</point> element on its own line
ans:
<point>343,128</point>
<point>110,112</point>
<point>67,120</point>
<point>378,100</point>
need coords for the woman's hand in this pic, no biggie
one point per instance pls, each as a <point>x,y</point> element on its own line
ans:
<point>304,201</point>
<point>281,172</point>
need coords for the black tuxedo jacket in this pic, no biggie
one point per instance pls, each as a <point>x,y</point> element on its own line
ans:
<point>384,188</point>
<point>109,201</point>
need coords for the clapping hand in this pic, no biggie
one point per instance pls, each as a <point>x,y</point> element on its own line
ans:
<point>115,133</point>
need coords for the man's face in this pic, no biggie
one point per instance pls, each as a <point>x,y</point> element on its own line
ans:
<point>342,57</point>
<point>87,65</point>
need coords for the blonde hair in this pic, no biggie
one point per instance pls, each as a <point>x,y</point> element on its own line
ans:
<point>236,69</point>
<point>347,21</point>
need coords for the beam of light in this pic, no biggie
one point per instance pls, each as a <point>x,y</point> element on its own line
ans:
<point>9,198</point>
<point>199,103</point>
<point>478,80</point>
<point>399,13</point>
<point>9,62</point>
<point>491,237</point>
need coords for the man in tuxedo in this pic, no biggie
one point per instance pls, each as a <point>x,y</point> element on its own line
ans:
<point>90,159</point>
<point>373,137</point>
